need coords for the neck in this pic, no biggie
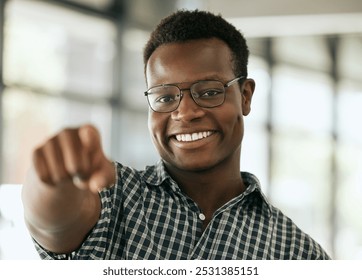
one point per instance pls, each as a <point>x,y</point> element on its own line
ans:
<point>210,188</point>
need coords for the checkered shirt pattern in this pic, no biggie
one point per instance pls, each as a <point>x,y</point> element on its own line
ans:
<point>147,216</point>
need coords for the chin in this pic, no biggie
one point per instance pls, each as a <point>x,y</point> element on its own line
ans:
<point>194,165</point>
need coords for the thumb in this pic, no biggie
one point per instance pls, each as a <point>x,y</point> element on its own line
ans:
<point>103,178</point>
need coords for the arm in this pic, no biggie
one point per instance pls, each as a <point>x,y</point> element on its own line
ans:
<point>60,194</point>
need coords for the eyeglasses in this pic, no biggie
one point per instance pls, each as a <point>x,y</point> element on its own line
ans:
<point>207,94</point>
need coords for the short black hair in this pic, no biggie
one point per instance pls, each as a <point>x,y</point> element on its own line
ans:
<point>185,25</point>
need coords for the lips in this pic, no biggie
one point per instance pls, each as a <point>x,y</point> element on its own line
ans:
<point>190,137</point>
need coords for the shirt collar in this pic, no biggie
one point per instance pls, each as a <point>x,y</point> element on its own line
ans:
<point>156,175</point>
<point>252,185</point>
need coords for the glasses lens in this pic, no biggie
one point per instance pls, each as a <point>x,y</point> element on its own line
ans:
<point>163,98</point>
<point>208,93</point>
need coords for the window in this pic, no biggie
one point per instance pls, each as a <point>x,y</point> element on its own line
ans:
<point>349,160</point>
<point>58,71</point>
<point>57,74</point>
<point>64,67</point>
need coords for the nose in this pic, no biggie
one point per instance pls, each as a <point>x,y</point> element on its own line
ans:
<point>187,110</point>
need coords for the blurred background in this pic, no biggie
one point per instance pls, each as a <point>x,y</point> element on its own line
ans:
<point>66,63</point>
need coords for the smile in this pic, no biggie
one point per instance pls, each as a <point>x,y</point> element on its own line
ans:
<point>193,137</point>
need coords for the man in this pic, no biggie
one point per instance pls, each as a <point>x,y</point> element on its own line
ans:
<point>195,203</point>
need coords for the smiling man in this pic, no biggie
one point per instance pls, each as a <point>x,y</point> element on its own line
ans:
<point>194,203</point>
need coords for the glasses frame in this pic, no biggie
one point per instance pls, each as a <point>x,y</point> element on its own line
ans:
<point>225,85</point>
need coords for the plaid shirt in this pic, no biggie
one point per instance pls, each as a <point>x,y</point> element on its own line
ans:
<point>147,216</point>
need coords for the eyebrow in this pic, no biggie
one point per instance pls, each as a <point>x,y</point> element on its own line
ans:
<point>207,78</point>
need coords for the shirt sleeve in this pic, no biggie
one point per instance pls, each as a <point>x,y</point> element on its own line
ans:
<point>96,243</point>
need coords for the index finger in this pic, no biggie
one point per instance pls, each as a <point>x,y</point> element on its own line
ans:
<point>75,153</point>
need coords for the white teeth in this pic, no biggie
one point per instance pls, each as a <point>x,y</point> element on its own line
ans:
<point>193,137</point>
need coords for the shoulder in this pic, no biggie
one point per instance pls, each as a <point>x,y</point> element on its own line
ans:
<point>131,182</point>
<point>292,240</point>
<point>288,241</point>
<point>152,175</point>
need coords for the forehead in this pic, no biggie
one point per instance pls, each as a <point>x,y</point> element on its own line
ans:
<point>189,61</point>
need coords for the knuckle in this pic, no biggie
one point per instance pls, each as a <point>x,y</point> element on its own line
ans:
<point>50,143</point>
<point>65,133</point>
<point>37,153</point>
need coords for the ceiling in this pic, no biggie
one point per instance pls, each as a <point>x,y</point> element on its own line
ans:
<point>256,18</point>
<point>265,18</point>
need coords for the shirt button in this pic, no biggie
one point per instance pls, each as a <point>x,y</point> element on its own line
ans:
<point>202,217</point>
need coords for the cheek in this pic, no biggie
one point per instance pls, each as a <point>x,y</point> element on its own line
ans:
<point>232,114</point>
<point>234,119</point>
<point>239,126</point>
<point>157,125</point>
<point>152,126</point>
<point>240,121</point>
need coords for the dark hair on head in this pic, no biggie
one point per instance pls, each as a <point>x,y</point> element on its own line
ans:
<point>185,25</point>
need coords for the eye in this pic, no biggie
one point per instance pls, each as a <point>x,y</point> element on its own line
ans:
<point>165,99</point>
<point>209,93</point>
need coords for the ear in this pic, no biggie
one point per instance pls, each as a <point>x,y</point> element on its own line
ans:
<point>247,94</point>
